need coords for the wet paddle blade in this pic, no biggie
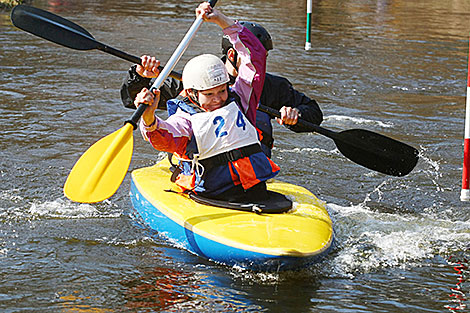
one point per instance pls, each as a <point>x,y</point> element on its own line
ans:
<point>52,27</point>
<point>377,152</point>
<point>101,169</point>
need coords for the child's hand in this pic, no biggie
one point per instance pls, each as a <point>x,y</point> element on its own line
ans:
<point>205,11</point>
<point>148,67</point>
<point>210,14</point>
<point>151,99</point>
<point>289,116</point>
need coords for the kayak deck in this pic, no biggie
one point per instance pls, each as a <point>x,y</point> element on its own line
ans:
<point>257,241</point>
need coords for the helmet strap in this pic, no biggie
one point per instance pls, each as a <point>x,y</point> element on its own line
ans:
<point>193,97</point>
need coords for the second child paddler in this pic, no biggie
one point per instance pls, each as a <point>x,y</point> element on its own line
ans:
<point>211,125</point>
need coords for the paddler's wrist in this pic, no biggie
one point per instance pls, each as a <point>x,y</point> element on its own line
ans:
<point>149,125</point>
<point>227,24</point>
<point>224,21</point>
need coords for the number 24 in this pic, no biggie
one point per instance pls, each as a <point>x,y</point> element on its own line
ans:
<point>220,120</point>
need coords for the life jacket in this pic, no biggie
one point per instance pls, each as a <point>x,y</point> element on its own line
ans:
<point>223,130</point>
<point>223,152</point>
<point>265,132</point>
<point>263,125</point>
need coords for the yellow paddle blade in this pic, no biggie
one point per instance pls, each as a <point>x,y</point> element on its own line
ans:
<point>101,169</point>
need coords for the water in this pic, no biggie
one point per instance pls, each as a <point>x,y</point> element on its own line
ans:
<point>394,67</point>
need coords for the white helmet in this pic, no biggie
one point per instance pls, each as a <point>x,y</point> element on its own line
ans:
<point>204,72</point>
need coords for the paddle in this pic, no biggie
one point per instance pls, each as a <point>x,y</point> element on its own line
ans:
<point>101,169</point>
<point>374,151</point>
<point>59,30</point>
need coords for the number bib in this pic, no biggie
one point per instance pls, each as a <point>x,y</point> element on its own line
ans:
<point>222,130</point>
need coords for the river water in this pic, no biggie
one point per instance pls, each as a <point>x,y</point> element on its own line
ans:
<point>394,67</point>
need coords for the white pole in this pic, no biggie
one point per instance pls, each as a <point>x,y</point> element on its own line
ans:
<point>465,194</point>
<point>308,44</point>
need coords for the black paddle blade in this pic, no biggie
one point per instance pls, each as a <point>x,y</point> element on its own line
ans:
<point>52,27</point>
<point>377,152</point>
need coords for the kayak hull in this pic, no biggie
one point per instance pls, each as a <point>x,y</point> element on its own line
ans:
<point>263,242</point>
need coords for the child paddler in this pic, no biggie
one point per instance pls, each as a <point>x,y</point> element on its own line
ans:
<point>210,125</point>
<point>278,92</point>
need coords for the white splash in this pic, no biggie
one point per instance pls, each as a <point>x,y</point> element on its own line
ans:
<point>369,240</point>
<point>61,208</point>
<point>10,195</point>
<point>126,243</point>
<point>310,150</point>
<point>357,120</point>
<point>403,88</point>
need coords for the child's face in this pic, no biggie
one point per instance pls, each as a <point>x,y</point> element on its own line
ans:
<point>214,98</point>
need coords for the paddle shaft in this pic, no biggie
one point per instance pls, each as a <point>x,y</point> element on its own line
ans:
<point>303,123</point>
<point>371,150</point>
<point>170,64</point>
<point>135,59</point>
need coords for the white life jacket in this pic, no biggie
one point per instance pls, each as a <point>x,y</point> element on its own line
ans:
<point>222,130</point>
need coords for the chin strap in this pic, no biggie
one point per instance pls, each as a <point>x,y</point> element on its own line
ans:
<point>192,97</point>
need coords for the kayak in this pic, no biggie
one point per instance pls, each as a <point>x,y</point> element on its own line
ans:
<point>258,241</point>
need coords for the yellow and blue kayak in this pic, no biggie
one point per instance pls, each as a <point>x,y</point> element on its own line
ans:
<point>263,242</point>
